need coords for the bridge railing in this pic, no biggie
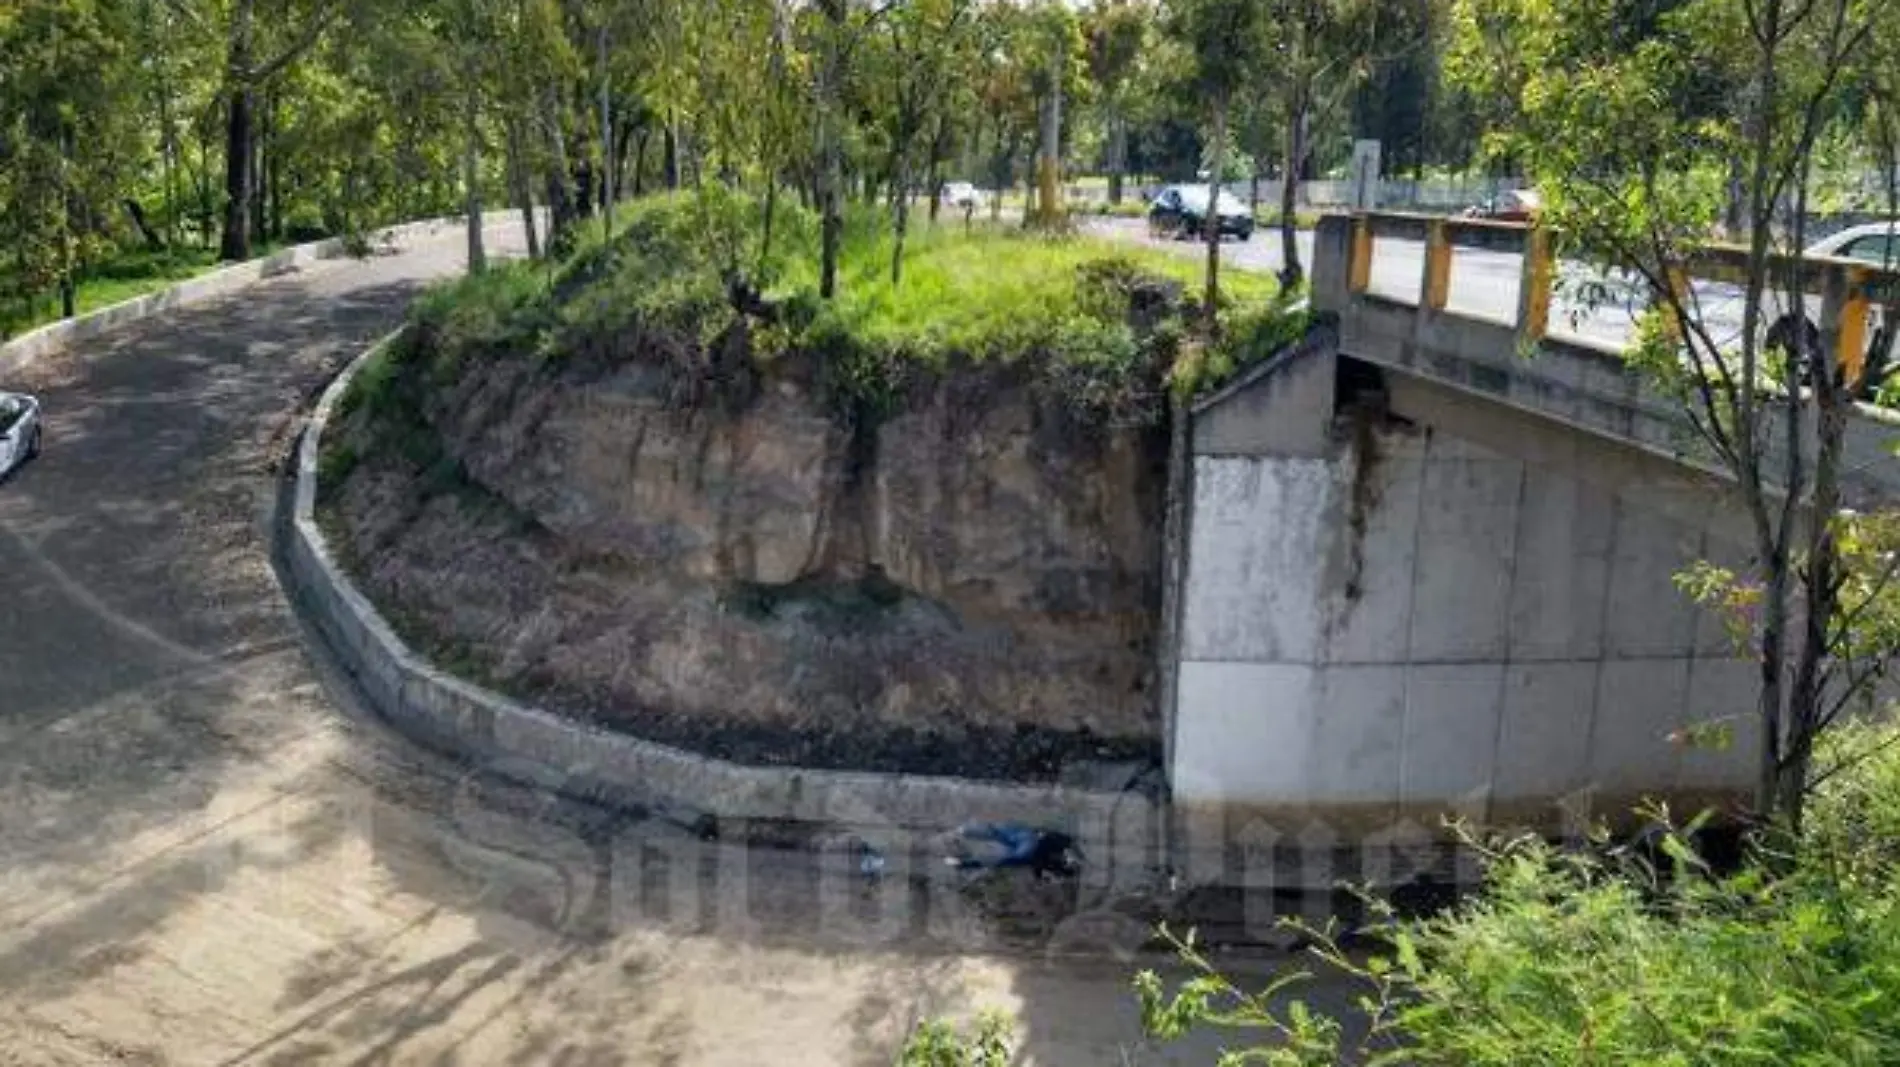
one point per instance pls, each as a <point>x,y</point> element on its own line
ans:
<point>1848,289</point>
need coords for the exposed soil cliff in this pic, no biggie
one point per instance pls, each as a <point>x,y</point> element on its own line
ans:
<point>958,573</point>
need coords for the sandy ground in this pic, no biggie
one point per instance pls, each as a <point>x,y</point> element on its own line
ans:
<point>208,855</point>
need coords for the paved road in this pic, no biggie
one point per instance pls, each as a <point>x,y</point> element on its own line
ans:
<point>1483,283</point>
<point>209,856</point>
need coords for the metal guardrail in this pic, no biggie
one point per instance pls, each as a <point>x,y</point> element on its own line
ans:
<point>1849,289</point>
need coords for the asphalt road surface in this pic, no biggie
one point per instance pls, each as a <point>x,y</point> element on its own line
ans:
<point>1483,283</point>
<point>209,855</point>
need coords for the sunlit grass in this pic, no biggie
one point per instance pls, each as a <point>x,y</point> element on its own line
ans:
<point>126,276</point>
<point>977,291</point>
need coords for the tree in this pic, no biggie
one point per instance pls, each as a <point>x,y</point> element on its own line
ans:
<point>1117,33</point>
<point>1619,115</point>
<point>244,75</point>
<point>1051,36</point>
<point>1227,41</point>
<point>926,44</point>
<point>1321,50</point>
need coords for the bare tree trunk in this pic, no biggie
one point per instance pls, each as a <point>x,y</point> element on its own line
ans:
<point>765,235</point>
<point>606,139</point>
<point>934,181</point>
<point>901,216</point>
<point>236,242</point>
<point>640,163</point>
<point>260,142</point>
<point>830,163</point>
<point>560,198</point>
<point>1210,308</point>
<point>168,141</point>
<point>523,190</point>
<point>1117,153</point>
<point>1049,159</point>
<point>1292,275</point>
<point>472,178</point>
<point>672,135</point>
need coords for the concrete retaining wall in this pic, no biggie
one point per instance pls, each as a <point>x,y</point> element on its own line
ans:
<point>499,735</point>
<point>24,349</point>
<point>1458,607</point>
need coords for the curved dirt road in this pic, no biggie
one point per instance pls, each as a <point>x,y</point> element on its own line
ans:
<point>209,856</point>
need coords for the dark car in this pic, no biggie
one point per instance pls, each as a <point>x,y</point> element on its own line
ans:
<point>1181,211</point>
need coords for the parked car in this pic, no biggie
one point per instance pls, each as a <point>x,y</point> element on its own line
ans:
<point>961,195</point>
<point>1518,205</point>
<point>19,430</point>
<point>1181,211</point>
<point>1877,243</point>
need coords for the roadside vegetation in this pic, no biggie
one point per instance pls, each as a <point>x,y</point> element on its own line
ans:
<point>1112,325</point>
<point>1641,953</point>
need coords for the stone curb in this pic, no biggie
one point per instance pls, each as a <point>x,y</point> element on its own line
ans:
<point>21,351</point>
<point>527,744</point>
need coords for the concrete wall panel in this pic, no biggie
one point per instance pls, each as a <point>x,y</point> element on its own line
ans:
<point>1647,614</point>
<point>1544,741</point>
<point>1357,737</point>
<point>1639,705</point>
<point>1257,551</point>
<point>1466,538</point>
<point>1723,691</point>
<point>1451,733</point>
<point>1248,735</point>
<point>1562,572</point>
<point>1375,625</point>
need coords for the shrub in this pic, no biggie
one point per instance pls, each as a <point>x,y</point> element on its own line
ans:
<point>938,1044</point>
<point>1611,955</point>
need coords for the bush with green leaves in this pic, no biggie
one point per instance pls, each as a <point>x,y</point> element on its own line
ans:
<point>1623,954</point>
<point>939,1044</point>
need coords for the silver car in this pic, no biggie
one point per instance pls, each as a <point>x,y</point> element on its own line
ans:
<point>19,430</point>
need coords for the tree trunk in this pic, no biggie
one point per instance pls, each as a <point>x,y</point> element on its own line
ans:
<point>1210,302</point>
<point>260,142</point>
<point>136,210</point>
<point>900,210</point>
<point>1117,153</point>
<point>236,242</point>
<point>1049,158</point>
<point>765,235</point>
<point>560,199</point>
<point>607,157</point>
<point>1292,275</point>
<point>522,189</point>
<point>934,181</point>
<point>672,165</point>
<point>472,178</point>
<point>274,180</point>
<point>168,149</point>
<point>640,164</point>
<point>830,162</point>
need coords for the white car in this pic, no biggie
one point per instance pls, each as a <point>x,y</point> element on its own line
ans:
<point>962,195</point>
<point>1877,243</point>
<point>19,430</point>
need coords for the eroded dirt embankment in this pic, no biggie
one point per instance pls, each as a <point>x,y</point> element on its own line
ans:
<point>716,550</point>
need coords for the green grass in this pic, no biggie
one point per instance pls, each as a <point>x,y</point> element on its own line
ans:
<point>126,276</point>
<point>1061,305</point>
<point>989,292</point>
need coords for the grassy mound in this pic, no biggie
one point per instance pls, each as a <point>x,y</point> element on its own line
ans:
<point>693,275</point>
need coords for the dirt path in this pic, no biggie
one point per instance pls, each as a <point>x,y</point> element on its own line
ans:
<point>207,856</point>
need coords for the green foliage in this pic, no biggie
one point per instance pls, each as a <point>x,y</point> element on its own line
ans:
<point>1248,335</point>
<point>1095,324</point>
<point>1290,1033</point>
<point>938,1044</point>
<point>1618,955</point>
